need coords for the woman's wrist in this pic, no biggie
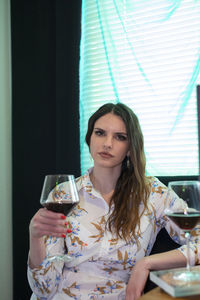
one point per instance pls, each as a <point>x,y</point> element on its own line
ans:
<point>37,251</point>
<point>142,265</point>
<point>145,263</point>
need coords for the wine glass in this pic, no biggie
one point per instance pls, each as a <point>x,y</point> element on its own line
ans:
<point>186,218</point>
<point>59,194</point>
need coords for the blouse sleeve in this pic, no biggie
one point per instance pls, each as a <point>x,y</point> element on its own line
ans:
<point>177,234</point>
<point>44,280</point>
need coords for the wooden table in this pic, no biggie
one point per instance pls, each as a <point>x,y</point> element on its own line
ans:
<point>159,294</point>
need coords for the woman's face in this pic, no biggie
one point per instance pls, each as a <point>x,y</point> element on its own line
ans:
<point>109,142</point>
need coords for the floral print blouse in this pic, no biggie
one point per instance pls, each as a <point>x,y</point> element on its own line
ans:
<point>101,263</point>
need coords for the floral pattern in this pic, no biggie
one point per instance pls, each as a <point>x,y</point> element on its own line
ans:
<point>102,263</point>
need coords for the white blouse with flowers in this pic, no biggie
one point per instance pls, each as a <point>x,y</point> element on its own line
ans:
<point>101,263</point>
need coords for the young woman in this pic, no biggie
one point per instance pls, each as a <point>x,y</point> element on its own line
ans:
<point>111,232</point>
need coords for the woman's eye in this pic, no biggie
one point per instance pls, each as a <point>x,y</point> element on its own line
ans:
<point>121,137</point>
<point>99,132</point>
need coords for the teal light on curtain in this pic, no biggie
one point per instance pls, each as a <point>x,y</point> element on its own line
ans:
<point>145,54</point>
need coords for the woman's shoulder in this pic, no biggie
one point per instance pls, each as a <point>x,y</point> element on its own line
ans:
<point>156,186</point>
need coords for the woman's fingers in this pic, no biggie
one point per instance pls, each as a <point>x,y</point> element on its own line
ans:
<point>46,222</point>
<point>43,212</point>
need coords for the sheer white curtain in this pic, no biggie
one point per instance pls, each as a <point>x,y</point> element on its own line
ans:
<point>145,54</point>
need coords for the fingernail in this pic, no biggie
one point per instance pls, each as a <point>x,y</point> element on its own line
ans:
<point>69,230</point>
<point>66,224</point>
<point>63,217</point>
<point>63,235</point>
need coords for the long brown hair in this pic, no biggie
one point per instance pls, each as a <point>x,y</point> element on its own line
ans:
<point>132,187</point>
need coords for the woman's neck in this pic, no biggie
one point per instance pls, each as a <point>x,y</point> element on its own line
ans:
<point>104,181</point>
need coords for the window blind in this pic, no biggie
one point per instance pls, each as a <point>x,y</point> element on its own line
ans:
<point>145,54</point>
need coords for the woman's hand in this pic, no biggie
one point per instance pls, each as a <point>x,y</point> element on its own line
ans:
<point>137,280</point>
<point>160,261</point>
<point>46,222</point>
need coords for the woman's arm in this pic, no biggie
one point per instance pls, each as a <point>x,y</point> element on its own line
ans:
<point>37,252</point>
<point>44,276</point>
<point>139,275</point>
<point>166,260</point>
<point>44,223</point>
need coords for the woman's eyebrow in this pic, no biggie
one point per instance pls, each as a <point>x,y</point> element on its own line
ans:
<point>117,132</point>
<point>121,132</point>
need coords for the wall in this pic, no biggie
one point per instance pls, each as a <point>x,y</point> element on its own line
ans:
<point>45,103</point>
<point>5,154</point>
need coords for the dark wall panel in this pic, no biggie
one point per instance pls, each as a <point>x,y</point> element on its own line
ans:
<point>45,94</point>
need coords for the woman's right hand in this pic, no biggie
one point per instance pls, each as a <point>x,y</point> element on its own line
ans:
<point>46,222</point>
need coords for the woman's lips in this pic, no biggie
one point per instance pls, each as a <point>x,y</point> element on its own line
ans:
<point>105,155</point>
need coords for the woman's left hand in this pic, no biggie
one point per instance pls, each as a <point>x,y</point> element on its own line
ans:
<point>137,281</point>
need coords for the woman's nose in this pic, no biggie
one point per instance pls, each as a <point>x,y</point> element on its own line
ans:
<point>108,142</point>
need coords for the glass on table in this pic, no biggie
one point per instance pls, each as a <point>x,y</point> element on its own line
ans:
<point>186,218</point>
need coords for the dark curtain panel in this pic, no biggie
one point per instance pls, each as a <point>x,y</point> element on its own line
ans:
<point>45,94</point>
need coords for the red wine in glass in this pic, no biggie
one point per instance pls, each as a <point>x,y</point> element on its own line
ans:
<point>60,195</point>
<point>186,221</point>
<point>60,207</point>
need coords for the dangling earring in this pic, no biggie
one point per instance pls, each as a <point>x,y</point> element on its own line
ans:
<point>128,161</point>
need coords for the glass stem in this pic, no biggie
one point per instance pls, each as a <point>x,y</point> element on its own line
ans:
<point>65,247</point>
<point>187,236</point>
